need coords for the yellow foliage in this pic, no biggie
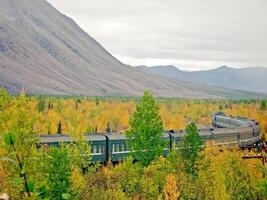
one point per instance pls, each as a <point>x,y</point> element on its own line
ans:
<point>89,115</point>
<point>77,180</point>
<point>116,194</point>
<point>170,189</point>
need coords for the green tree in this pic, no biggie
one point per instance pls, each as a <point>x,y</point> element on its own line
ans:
<point>58,172</point>
<point>77,102</point>
<point>80,154</point>
<point>190,149</point>
<point>108,129</point>
<point>263,105</point>
<point>41,104</point>
<point>50,105</point>
<point>62,170</point>
<point>22,122</point>
<point>96,101</point>
<point>20,145</point>
<point>59,128</point>
<point>10,141</point>
<point>146,130</point>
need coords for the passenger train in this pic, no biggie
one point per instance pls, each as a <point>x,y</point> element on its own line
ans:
<point>226,130</point>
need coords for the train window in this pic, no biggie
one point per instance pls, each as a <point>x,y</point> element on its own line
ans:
<point>95,149</point>
<point>117,147</point>
<point>122,147</point>
<point>218,139</point>
<point>245,136</point>
<point>113,147</point>
<point>177,142</point>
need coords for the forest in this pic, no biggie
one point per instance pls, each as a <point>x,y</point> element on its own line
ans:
<point>194,172</point>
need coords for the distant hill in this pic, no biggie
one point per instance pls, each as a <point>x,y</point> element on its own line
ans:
<point>250,79</point>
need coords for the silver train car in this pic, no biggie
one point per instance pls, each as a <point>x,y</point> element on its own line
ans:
<point>235,130</point>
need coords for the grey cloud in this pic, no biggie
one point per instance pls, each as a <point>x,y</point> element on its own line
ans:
<point>213,32</point>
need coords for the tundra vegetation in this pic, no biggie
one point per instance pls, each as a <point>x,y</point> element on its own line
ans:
<point>191,172</point>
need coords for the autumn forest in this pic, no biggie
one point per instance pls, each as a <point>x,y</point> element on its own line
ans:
<point>65,173</point>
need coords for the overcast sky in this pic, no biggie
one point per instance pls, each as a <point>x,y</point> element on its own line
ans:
<point>191,34</point>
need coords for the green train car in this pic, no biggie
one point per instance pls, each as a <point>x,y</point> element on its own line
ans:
<point>117,147</point>
<point>98,145</point>
<point>114,147</point>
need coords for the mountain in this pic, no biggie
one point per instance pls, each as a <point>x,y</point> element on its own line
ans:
<point>168,71</point>
<point>46,52</point>
<point>249,79</point>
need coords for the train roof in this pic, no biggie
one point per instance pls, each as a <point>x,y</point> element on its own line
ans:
<point>205,132</point>
<point>57,138</point>
<point>243,129</point>
<point>203,127</point>
<point>180,133</point>
<point>95,137</point>
<point>116,136</point>
<point>123,136</point>
<point>166,135</point>
<point>219,113</point>
<point>224,131</point>
<point>240,121</point>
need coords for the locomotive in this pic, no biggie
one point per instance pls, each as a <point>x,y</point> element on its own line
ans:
<point>226,130</point>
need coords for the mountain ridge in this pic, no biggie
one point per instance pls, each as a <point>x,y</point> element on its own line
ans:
<point>251,79</point>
